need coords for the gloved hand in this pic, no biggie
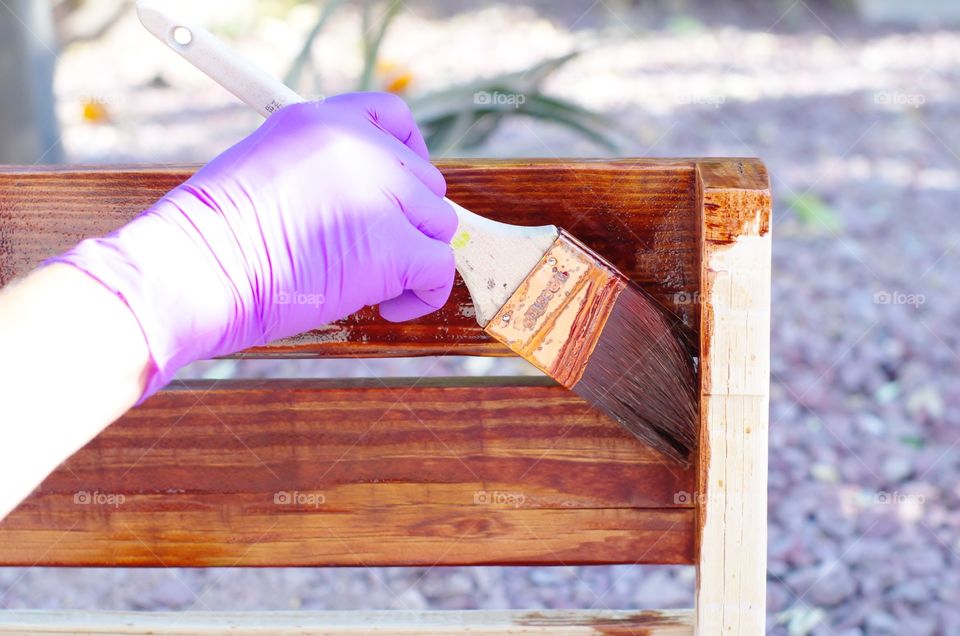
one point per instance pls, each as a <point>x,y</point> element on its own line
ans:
<point>324,209</point>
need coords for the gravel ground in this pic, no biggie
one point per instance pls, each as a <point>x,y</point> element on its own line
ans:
<point>864,529</point>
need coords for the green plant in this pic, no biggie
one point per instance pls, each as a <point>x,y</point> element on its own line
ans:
<point>373,35</point>
<point>463,116</point>
<point>303,58</point>
<point>814,211</point>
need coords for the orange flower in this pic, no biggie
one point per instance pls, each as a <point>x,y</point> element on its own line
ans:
<point>400,82</point>
<point>394,78</point>
<point>94,112</point>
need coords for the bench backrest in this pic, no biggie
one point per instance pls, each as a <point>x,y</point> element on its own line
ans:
<point>495,470</point>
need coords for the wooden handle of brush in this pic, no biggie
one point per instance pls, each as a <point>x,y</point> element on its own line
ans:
<point>493,258</point>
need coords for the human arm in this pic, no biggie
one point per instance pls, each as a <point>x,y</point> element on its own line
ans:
<point>74,359</point>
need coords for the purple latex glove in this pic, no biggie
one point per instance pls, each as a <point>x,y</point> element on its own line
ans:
<point>326,208</point>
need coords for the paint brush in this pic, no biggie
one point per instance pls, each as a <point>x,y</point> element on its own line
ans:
<point>537,290</point>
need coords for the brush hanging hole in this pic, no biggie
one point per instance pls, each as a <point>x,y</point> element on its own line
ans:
<point>182,35</point>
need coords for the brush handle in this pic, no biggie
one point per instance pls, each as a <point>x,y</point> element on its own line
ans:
<point>493,258</point>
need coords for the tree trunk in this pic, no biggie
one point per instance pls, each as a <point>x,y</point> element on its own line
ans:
<point>28,127</point>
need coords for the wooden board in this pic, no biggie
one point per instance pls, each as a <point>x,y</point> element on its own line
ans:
<point>358,472</point>
<point>735,388</point>
<point>641,214</point>
<point>380,623</point>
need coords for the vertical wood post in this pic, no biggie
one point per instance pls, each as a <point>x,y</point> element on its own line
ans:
<point>735,380</point>
<point>28,126</point>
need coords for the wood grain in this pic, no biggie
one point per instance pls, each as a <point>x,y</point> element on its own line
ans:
<point>641,214</point>
<point>337,623</point>
<point>734,400</point>
<point>358,472</point>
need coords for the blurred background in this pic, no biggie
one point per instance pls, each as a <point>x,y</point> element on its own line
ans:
<point>852,104</point>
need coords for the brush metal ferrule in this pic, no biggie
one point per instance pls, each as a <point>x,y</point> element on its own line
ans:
<point>556,315</point>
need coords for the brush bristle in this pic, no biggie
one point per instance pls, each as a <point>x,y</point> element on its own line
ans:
<point>641,375</point>
<point>592,330</point>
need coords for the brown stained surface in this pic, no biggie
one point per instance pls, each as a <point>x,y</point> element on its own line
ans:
<point>403,483</point>
<point>736,200</point>
<point>634,624</point>
<point>641,214</point>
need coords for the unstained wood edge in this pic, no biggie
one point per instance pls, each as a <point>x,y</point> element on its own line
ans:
<point>735,369</point>
<point>336,623</point>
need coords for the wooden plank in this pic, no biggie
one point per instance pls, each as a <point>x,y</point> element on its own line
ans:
<point>394,622</point>
<point>735,379</point>
<point>641,214</point>
<point>358,472</point>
